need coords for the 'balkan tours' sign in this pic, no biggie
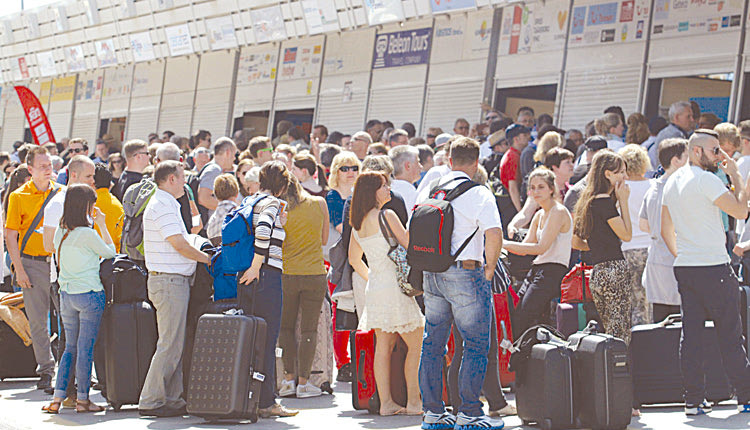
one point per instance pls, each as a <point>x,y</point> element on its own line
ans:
<point>402,48</point>
<point>40,129</point>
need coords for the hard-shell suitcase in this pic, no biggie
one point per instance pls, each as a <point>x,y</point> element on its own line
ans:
<point>573,317</point>
<point>546,394</point>
<point>130,343</point>
<point>655,357</point>
<point>16,359</point>
<point>504,331</point>
<point>364,390</point>
<point>602,380</point>
<point>321,372</point>
<point>225,378</point>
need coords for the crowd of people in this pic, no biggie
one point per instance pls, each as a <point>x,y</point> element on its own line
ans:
<point>657,207</point>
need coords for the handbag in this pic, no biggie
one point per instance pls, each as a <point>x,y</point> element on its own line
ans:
<point>345,320</point>
<point>410,281</point>
<point>572,286</point>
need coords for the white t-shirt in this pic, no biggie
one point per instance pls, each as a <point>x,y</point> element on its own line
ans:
<point>161,219</point>
<point>432,174</point>
<point>52,215</point>
<point>743,164</point>
<point>474,208</point>
<point>407,192</point>
<point>689,195</point>
<point>640,239</point>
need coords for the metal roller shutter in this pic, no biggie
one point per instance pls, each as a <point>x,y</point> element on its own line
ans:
<point>212,102</point>
<point>252,98</point>
<point>212,116</point>
<point>448,101</point>
<point>144,102</point>
<point>13,123</point>
<point>346,117</point>
<point>116,92</point>
<point>398,105</point>
<point>178,95</point>
<point>60,123</point>
<point>587,94</point>
<point>85,126</point>
<point>697,66</point>
<point>60,112</point>
<point>88,99</point>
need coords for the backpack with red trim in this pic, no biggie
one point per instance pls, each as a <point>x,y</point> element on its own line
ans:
<point>431,228</point>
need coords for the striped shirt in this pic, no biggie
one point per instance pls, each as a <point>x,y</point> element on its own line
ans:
<point>267,242</point>
<point>161,219</point>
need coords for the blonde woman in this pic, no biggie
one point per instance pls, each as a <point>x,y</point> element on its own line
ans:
<point>551,139</point>
<point>636,250</point>
<point>344,171</point>
<point>611,127</point>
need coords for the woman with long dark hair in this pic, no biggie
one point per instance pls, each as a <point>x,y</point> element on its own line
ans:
<point>387,310</point>
<point>304,168</point>
<point>78,249</point>
<point>600,228</point>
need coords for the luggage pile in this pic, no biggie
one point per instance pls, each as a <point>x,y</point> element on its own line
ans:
<point>17,359</point>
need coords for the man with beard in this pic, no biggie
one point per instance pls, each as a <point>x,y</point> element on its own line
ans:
<point>693,232</point>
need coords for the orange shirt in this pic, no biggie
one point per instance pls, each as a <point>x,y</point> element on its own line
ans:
<point>113,215</point>
<point>23,205</point>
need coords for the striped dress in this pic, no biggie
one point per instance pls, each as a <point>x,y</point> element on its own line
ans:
<point>269,233</point>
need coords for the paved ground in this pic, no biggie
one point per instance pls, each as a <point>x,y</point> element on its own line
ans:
<point>20,406</point>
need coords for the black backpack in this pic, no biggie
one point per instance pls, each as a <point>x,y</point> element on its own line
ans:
<point>123,280</point>
<point>431,228</point>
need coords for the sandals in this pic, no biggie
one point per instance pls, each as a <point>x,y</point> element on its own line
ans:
<point>83,406</point>
<point>52,408</point>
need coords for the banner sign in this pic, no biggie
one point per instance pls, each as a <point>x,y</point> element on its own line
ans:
<point>610,22</point>
<point>268,24</point>
<point>105,52</point>
<point>439,6</point>
<point>221,33</point>
<point>141,47</point>
<point>74,58</point>
<point>534,28</point>
<point>40,129</point>
<point>402,48</point>
<point>179,40</point>
<point>383,11</point>
<point>320,16</point>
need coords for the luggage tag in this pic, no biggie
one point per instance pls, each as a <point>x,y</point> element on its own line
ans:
<point>505,344</point>
<point>279,352</point>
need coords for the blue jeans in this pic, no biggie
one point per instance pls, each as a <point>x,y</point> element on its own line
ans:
<point>463,296</point>
<point>268,300</point>
<point>81,315</point>
<point>711,292</point>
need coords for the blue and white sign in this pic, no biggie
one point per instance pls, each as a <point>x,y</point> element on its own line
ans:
<point>383,11</point>
<point>402,48</point>
<point>439,6</point>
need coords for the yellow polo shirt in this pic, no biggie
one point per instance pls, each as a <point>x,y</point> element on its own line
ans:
<point>23,205</point>
<point>113,215</point>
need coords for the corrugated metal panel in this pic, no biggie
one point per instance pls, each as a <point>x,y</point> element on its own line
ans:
<point>398,105</point>
<point>60,123</point>
<point>346,117</point>
<point>212,110</point>
<point>176,119</point>
<point>116,92</point>
<point>447,102</point>
<point>85,126</point>
<point>587,94</point>
<point>696,66</point>
<point>142,121</point>
<point>252,98</point>
<point>13,123</point>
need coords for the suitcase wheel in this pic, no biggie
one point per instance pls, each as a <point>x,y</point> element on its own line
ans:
<point>547,424</point>
<point>326,386</point>
<point>116,406</point>
<point>254,418</point>
<point>526,423</point>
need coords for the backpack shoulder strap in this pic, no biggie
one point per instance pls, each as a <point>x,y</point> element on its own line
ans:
<point>38,217</point>
<point>460,189</point>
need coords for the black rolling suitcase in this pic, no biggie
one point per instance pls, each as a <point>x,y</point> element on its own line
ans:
<point>655,358</point>
<point>130,342</point>
<point>16,359</point>
<point>602,380</point>
<point>225,378</point>
<point>544,395</point>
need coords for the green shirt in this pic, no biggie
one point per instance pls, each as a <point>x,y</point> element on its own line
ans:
<point>79,259</point>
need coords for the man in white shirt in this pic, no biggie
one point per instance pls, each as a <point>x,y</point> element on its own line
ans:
<point>461,295</point>
<point>443,141</point>
<point>170,260</point>
<point>744,162</point>
<point>693,232</point>
<point>406,171</point>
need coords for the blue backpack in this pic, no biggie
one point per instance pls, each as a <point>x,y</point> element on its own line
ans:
<point>238,237</point>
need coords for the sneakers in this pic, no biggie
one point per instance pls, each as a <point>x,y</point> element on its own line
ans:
<point>433,421</point>
<point>701,409</point>
<point>464,422</point>
<point>287,388</point>
<point>308,390</point>
<point>744,408</point>
<point>277,410</point>
<point>345,373</point>
<point>45,382</point>
<point>507,410</point>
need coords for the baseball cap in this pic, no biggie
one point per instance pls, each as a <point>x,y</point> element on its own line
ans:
<point>442,139</point>
<point>595,143</point>
<point>514,130</point>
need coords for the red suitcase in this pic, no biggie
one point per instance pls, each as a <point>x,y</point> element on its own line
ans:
<point>502,316</point>
<point>364,390</point>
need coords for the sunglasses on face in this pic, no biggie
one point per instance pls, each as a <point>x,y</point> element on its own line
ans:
<point>491,117</point>
<point>715,150</point>
<point>265,150</point>
<point>77,150</point>
<point>349,168</point>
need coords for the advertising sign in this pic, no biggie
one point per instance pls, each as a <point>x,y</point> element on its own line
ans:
<point>141,47</point>
<point>179,41</point>
<point>221,33</point>
<point>610,22</point>
<point>105,52</point>
<point>534,28</point>
<point>320,16</point>
<point>46,62</point>
<point>74,58</point>
<point>268,24</point>
<point>402,48</point>
<point>35,115</point>
<point>383,11</point>
<point>439,6</point>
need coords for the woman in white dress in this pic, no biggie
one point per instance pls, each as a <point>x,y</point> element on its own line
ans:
<point>387,310</point>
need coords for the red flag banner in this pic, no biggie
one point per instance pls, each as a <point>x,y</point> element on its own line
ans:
<point>40,129</point>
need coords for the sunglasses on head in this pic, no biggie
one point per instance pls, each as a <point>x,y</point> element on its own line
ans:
<point>349,168</point>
